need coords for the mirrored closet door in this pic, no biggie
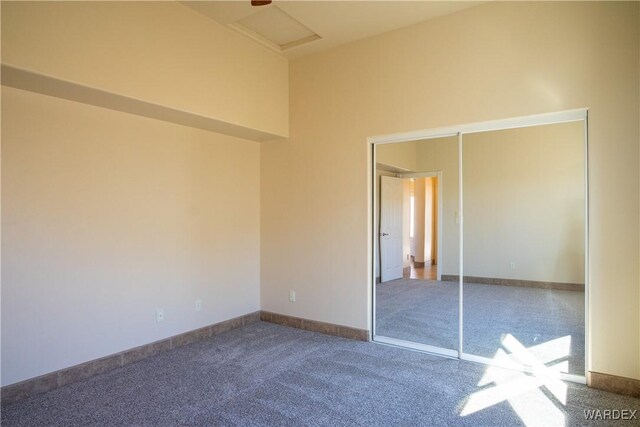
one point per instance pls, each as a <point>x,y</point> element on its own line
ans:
<point>524,247</point>
<point>480,242</point>
<point>416,239</point>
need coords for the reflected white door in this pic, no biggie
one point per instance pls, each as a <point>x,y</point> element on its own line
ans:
<point>390,228</point>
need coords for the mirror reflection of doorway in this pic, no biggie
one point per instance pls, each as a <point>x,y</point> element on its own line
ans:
<point>408,235</point>
<point>509,285</point>
<point>416,182</point>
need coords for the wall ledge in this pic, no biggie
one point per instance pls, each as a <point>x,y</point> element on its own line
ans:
<point>20,78</point>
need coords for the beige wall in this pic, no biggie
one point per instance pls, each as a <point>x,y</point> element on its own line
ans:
<point>160,52</point>
<point>107,216</point>
<point>493,61</point>
<point>524,203</point>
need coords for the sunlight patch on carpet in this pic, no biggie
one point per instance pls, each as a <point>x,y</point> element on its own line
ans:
<point>536,398</point>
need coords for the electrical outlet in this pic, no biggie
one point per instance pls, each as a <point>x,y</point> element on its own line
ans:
<point>159,315</point>
<point>512,265</point>
<point>292,296</point>
<point>198,304</point>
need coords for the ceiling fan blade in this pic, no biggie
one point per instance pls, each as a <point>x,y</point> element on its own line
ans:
<point>260,2</point>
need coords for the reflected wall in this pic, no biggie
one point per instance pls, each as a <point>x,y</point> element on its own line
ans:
<point>524,211</point>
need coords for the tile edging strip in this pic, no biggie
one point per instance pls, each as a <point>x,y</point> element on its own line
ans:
<point>315,326</point>
<point>559,286</point>
<point>53,380</point>
<point>614,384</point>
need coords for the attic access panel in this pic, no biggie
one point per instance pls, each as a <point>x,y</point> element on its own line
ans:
<point>275,28</point>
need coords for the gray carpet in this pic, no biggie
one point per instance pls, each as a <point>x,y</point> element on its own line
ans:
<point>426,312</point>
<point>266,375</point>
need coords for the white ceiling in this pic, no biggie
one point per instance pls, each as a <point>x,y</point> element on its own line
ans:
<point>336,22</point>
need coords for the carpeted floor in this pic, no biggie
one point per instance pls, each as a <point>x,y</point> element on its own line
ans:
<point>267,374</point>
<point>548,323</point>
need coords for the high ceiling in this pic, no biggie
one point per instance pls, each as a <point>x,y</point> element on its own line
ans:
<point>297,28</point>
